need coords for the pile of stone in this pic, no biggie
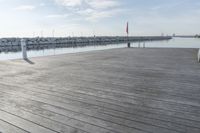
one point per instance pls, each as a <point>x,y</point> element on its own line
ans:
<point>14,44</point>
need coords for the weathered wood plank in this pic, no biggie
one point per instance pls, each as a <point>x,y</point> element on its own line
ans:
<point>22,123</point>
<point>6,127</point>
<point>117,127</point>
<point>113,126</point>
<point>121,90</point>
<point>95,105</point>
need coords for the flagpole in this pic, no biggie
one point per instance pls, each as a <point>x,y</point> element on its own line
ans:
<point>127,31</point>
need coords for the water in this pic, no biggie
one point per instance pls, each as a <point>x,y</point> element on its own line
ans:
<point>174,43</point>
<point>57,51</point>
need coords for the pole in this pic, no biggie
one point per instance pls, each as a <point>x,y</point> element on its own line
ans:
<point>127,31</point>
<point>128,43</point>
<point>23,46</point>
<point>139,44</point>
<point>144,45</point>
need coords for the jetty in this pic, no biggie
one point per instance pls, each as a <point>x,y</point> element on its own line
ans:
<point>187,36</point>
<point>127,90</point>
<point>38,43</point>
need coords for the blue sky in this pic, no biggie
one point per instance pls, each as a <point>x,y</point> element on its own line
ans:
<point>30,18</point>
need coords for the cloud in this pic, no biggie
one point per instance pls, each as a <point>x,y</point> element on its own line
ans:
<point>57,16</point>
<point>96,15</point>
<point>25,8</point>
<point>69,3</point>
<point>95,4</point>
<point>102,4</point>
<point>92,10</point>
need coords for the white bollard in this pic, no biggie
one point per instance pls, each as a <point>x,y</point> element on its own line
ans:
<point>23,46</point>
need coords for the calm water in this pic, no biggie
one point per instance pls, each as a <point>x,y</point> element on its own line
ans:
<point>174,43</point>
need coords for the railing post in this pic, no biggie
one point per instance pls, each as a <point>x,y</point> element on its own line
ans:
<point>23,46</point>
<point>139,44</point>
<point>144,45</point>
<point>129,44</point>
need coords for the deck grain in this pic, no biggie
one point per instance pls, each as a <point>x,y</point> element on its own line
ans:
<point>112,91</point>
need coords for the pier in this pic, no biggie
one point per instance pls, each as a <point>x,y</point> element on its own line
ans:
<point>128,90</point>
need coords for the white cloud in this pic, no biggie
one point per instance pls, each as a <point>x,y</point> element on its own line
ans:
<point>102,4</point>
<point>69,3</point>
<point>92,10</point>
<point>25,7</point>
<point>95,15</point>
<point>57,15</point>
<point>96,4</point>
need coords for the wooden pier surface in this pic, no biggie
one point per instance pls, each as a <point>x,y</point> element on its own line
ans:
<point>112,91</point>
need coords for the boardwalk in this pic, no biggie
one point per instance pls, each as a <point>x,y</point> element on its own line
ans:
<point>112,91</point>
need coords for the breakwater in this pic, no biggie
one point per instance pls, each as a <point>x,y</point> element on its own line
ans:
<point>14,44</point>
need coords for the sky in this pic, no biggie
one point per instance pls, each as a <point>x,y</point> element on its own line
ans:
<point>61,18</point>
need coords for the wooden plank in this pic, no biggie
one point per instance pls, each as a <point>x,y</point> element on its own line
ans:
<point>85,125</point>
<point>77,102</point>
<point>138,122</point>
<point>22,123</point>
<point>6,127</point>
<point>121,90</point>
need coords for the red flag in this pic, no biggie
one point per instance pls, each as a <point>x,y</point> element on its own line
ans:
<point>127,30</point>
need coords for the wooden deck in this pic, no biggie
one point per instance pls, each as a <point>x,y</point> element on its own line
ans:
<point>112,91</point>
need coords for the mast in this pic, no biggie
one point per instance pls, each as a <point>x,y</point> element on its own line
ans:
<point>127,31</point>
